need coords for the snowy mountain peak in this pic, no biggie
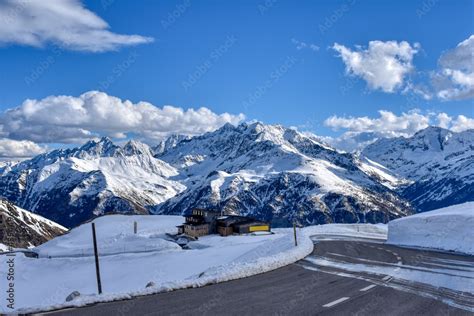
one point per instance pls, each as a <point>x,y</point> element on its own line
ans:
<point>227,127</point>
<point>432,138</point>
<point>438,141</point>
<point>169,142</point>
<point>438,162</point>
<point>135,147</point>
<point>265,171</point>
<point>258,128</point>
<point>93,149</point>
<point>277,173</point>
<point>70,186</point>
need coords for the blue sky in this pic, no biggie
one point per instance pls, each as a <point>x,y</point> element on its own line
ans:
<point>271,60</point>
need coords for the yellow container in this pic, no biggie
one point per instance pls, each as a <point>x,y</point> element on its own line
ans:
<point>261,228</point>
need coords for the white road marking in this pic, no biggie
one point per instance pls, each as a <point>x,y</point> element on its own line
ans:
<point>342,299</point>
<point>386,278</point>
<point>368,287</point>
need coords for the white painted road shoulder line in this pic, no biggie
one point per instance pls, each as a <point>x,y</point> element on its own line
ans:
<point>342,299</point>
<point>368,288</point>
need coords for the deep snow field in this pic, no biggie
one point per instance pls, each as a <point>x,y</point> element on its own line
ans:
<point>450,228</point>
<point>129,261</point>
<point>66,263</point>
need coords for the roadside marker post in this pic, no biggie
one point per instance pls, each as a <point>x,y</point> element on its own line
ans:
<point>294,234</point>
<point>96,254</point>
<point>135,227</point>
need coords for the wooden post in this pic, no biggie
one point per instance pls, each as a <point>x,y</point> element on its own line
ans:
<point>294,233</point>
<point>135,226</point>
<point>96,254</point>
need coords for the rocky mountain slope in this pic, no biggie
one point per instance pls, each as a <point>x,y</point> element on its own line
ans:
<point>265,171</point>
<point>22,229</point>
<point>278,174</point>
<point>6,166</point>
<point>73,185</point>
<point>438,163</point>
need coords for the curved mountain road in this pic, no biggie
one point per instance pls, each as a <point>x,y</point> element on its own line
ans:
<point>340,277</point>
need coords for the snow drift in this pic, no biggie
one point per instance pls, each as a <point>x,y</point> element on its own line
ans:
<point>449,228</point>
<point>130,261</point>
<point>66,264</point>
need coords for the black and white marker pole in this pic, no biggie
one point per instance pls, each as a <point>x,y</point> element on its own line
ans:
<point>96,254</point>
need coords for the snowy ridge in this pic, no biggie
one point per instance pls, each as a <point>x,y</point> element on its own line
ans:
<point>265,171</point>
<point>436,163</point>
<point>23,229</point>
<point>73,185</point>
<point>169,143</point>
<point>278,174</point>
<point>6,166</point>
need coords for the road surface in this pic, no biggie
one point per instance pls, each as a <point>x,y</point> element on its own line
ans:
<point>309,288</point>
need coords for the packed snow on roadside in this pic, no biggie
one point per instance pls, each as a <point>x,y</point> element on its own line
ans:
<point>373,231</point>
<point>450,228</point>
<point>128,262</point>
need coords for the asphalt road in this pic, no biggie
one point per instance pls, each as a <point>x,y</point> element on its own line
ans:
<point>308,288</point>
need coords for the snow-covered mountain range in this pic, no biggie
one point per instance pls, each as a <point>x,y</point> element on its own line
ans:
<point>22,229</point>
<point>70,186</point>
<point>279,174</point>
<point>438,163</point>
<point>266,171</point>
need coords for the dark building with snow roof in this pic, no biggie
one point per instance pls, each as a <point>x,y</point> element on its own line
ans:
<point>203,222</point>
<point>231,224</point>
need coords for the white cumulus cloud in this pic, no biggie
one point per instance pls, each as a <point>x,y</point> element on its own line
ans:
<point>462,123</point>
<point>69,119</point>
<point>66,23</point>
<point>10,148</point>
<point>387,122</point>
<point>383,65</point>
<point>454,79</point>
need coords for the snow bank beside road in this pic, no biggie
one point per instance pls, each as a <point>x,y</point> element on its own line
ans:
<point>65,264</point>
<point>450,228</point>
<point>44,283</point>
<point>378,231</point>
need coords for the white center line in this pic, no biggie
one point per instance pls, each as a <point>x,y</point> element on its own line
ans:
<point>342,299</point>
<point>368,288</point>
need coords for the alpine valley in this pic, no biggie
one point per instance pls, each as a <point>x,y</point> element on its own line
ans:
<point>266,171</point>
